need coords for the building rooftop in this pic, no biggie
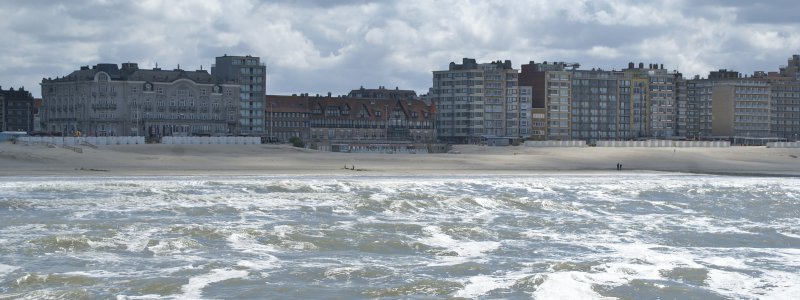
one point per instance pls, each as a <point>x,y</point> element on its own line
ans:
<point>131,72</point>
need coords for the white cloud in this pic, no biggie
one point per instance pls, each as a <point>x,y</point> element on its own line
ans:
<point>320,46</point>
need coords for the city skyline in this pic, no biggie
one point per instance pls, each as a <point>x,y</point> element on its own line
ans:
<point>319,47</point>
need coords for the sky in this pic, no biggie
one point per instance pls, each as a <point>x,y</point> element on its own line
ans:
<point>321,46</point>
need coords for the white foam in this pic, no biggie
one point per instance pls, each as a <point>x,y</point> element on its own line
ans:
<point>6,269</point>
<point>725,262</point>
<point>270,262</point>
<point>486,202</point>
<point>282,230</point>
<point>730,283</point>
<point>782,285</point>
<point>334,273</point>
<point>567,285</point>
<point>194,289</point>
<point>482,284</point>
<point>136,240</point>
<point>248,244</point>
<point>790,234</point>
<point>174,245</point>
<point>464,249</point>
<point>142,297</point>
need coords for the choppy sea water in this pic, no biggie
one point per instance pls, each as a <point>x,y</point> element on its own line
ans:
<point>407,237</point>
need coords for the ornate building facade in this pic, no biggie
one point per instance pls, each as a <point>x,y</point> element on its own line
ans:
<point>333,123</point>
<point>106,100</point>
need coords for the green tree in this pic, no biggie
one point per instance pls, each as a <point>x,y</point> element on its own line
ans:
<point>297,142</point>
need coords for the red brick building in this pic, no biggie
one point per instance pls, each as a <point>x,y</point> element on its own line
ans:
<point>352,124</point>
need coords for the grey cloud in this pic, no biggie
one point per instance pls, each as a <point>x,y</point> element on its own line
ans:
<point>318,46</point>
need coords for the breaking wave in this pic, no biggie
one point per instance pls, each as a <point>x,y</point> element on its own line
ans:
<point>543,237</point>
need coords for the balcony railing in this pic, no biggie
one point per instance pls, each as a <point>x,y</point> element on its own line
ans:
<point>182,108</point>
<point>104,106</point>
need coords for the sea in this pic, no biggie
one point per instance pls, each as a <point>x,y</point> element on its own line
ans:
<point>548,236</point>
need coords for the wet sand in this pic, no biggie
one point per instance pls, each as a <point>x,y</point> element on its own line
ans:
<point>157,159</point>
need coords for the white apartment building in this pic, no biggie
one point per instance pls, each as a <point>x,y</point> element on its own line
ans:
<point>250,74</point>
<point>476,102</point>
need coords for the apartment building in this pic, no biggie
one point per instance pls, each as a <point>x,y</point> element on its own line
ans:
<point>785,109</point>
<point>106,100</point>
<point>654,100</point>
<point>792,68</point>
<point>2,111</point>
<point>741,108</point>
<point>681,107</point>
<point>250,74</point>
<point>479,101</point>
<point>550,89</point>
<point>727,105</point>
<point>16,110</point>
<point>600,104</point>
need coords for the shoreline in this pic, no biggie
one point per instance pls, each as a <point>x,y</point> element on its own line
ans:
<point>276,160</point>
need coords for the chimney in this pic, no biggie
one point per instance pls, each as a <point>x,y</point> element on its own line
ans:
<point>641,65</point>
<point>630,65</point>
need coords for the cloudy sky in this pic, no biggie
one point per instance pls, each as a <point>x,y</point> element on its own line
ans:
<point>317,46</point>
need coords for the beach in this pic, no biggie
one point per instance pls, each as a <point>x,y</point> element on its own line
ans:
<point>158,159</point>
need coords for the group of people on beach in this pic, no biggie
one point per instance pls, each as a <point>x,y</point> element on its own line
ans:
<point>619,166</point>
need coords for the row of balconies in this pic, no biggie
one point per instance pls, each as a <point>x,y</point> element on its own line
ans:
<point>104,106</point>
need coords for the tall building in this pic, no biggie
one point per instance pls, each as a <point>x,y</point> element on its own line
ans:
<point>106,100</point>
<point>250,74</point>
<point>741,108</point>
<point>600,104</point>
<point>681,106</point>
<point>2,111</point>
<point>727,105</point>
<point>550,86</point>
<point>479,101</point>
<point>658,93</point>
<point>785,109</point>
<point>17,110</point>
<point>792,68</point>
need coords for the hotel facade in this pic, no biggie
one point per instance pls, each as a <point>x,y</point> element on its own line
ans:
<point>343,122</point>
<point>106,100</point>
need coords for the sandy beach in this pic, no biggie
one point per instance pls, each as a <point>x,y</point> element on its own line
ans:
<point>157,159</point>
